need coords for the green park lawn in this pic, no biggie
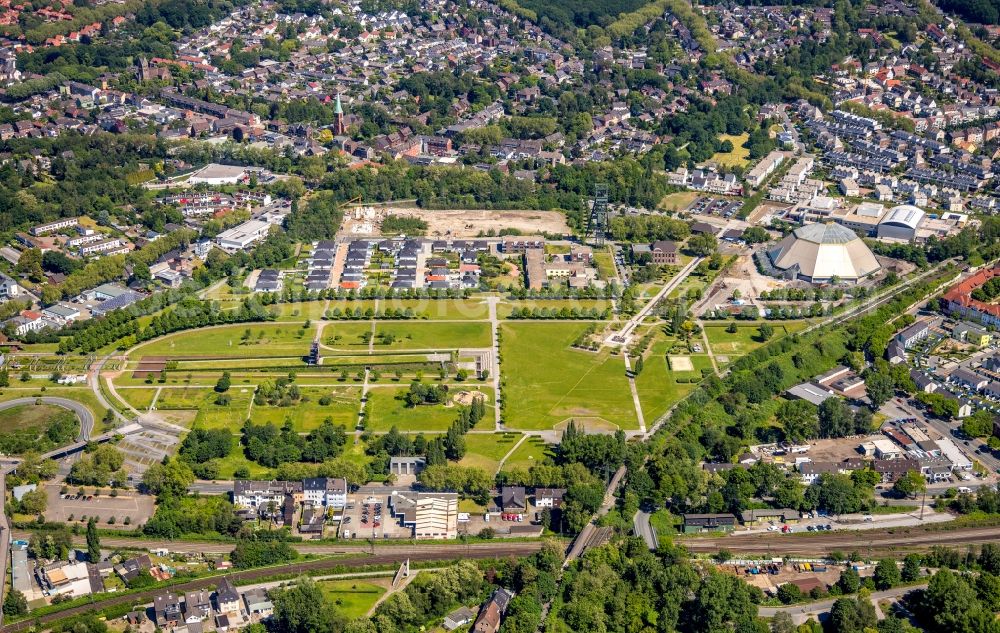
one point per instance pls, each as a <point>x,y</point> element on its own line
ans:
<point>292,312</point>
<point>436,309</point>
<point>83,395</point>
<point>266,340</point>
<point>533,450</point>
<point>739,156</point>
<point>408,335</point>
<point>548,383</point>
<point>657,385</point>
<point>486,450</point>
<point>505,308</point>
<point>678,201</point>
<point>354,598</point>
<point>139,398</point>
<point>28,416</point>
<point>385,411</point>
<point>309,414</point>
<point>423,309</point>
<point>745,339</point>
<point>210,415</point>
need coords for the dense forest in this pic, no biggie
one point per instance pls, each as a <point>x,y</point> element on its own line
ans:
<point>979,11</point>
<point>565,16</point>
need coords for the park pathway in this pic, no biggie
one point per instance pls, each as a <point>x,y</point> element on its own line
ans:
<point>708,348</point>
<point>495,357</point>
<point>635,393</point>
<point>503,460</point>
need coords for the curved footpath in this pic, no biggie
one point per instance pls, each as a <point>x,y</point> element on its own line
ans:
<point>243,577</point>
<point>81,411</point>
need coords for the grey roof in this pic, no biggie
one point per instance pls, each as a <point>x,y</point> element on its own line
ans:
<point>826,233</point>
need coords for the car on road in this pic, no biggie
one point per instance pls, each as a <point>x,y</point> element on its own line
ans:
<point>772,528</point>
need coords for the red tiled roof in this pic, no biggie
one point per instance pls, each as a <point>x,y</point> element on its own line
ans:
<point>961,293</point>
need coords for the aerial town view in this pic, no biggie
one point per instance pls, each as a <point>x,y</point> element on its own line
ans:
<point>500,316</point>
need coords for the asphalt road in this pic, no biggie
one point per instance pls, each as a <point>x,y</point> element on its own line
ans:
<point>497,550</point>
<point>820,544</point>
<point>643,528</point>
<point>82,412</point>
<point>816,608</point>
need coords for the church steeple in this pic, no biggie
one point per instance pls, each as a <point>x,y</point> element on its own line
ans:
<point>338,109</point>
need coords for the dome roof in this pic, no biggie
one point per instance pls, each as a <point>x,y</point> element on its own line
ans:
<point>825,233</point>
<point>904,215</point>
<point>820,252</point>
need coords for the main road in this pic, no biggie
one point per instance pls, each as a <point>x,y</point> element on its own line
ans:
<point>496,550</point>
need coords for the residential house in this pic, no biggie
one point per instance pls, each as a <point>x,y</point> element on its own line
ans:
<point>227,599</point>
<point>491,614</point>
<point>513,499</point>
<point>257,603</point>
<point>325,491</point>
<point>197,606</point>
<point>459,617</point>
<point>167,610</point>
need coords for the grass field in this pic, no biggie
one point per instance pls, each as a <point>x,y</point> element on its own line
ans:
<point>657,386</point>
<point>549,383</point>
<point>423,309</point>
<point>139,398</point>
<point>739,156</point>
<point>505,309</point>
<point>309,413</point>
<point>266,340</point>
<point>744,340</point>
<point>28,416</point>
<point>486,451</point>
<point>408,335</point>
<point>301,311</point>
<point>678,201</point>
<point>532,451</point>
<point>210,415</point>
<point>604,261</point>
<point>354,598</point>
<point>386,411</point>
<point>83,395</point>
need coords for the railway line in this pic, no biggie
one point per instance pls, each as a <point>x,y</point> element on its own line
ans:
<point>440,553</point>
<point>865,541</point>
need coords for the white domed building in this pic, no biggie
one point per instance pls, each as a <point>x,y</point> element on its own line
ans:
<point>818,253</point>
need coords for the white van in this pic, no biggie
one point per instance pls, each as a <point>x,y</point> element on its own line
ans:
<point>964,490</point>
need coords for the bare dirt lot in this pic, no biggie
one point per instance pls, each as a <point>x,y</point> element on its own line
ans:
<point>138,508</point>
<point>470,223</point>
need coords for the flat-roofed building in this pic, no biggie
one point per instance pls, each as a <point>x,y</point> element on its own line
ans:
<point>243,235</point>
<point>429,514</point>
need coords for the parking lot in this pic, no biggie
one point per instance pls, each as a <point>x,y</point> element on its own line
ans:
<point>720,207</point>
<point>137,508</point>
<point>368,516</point>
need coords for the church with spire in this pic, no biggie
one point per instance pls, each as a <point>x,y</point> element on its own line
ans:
<point>338,109</point>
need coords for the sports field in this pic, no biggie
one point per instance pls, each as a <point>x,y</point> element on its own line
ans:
<point>548,383</point>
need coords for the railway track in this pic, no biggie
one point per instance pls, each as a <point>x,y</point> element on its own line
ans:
<point>889,540</point>
<point>244,577</point>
